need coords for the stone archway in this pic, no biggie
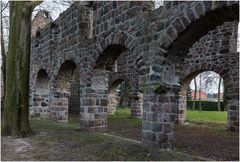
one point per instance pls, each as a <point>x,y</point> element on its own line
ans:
<point>182,94</point>
<point>162,83</point>
<point>113,99</point>
<point>40,103</point>
<point>216,52</point>
<point>94,116</point>
<point>61,91</point>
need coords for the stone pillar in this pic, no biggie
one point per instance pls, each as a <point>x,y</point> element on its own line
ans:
<point>182,107</point>
<point>233,115</point>
<point>233,108</point>
<point>136,106</point>
<point>112,101</point>
<point>59,106</point>
<point>231,101</point>
<point>158,118</point>
<point>93,110</point>
<point>40,105</point>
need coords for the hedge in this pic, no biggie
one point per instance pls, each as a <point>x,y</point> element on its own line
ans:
<point>206,105</point>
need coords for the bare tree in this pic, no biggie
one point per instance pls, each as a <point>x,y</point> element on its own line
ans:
<point>16,105</point>
<point>213,79</point>
<point>200,91</point>
<point>158,3</point>
<point>4,6</point>
<point>16,108</point>
<point>219,94</point>
<point>195,94</point>
<point>53,7</point>
<point>208,82</point>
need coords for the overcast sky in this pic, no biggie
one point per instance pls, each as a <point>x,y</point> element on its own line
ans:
<point>208,88</point>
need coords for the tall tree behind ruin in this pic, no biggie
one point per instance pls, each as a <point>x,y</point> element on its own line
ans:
<point>189,93</point>
<point>3,55</point>
<point>200,90</point>
<point>209,79</point>
<point>123,93</point>
<point>16,111</point>
<point>219,93</point>
<point>195,94</point>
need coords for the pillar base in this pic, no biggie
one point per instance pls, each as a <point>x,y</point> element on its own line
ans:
<point>93,126</point>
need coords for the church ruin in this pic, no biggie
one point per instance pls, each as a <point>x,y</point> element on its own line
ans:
<point>78,59</point>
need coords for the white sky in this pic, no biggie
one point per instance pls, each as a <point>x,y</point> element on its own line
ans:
<point>55,7</point>
<point>208,88</point>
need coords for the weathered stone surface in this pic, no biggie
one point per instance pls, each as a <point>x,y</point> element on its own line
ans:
<point>90,48</point>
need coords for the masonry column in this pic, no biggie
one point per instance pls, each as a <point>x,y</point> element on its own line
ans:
<point>136,106</point>
<point>59,105</point>
<point>158,116</point>
<point>233,115</point>
<point>182,107</point>
<point>93,109</point>
<point>112,100</point>
<point>39,105</point>
<point>232,96</point>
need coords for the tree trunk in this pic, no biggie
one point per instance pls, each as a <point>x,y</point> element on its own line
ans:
<point>195,94</point>
<point>219,93</point>
<point>200,90</point>
<point>16,111</point>
<point>225,97</point>
<point>122,89</point>
<point>3,68</point>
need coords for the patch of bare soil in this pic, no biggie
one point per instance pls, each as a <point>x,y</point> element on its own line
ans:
<point>16,147</point>
<point>75,145</point>
<point>206,142</point>
<point>209,140</point>
<point>126,127</point>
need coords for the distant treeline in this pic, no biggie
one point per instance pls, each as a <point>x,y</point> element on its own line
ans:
<point>206,105</point>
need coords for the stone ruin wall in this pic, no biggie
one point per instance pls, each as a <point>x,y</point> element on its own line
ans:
<point>157,44</point>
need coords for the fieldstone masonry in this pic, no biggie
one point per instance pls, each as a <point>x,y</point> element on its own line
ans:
<point>156,51</point>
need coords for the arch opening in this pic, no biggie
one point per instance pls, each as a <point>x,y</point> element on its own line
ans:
<point>209,120</point>
<point>118,95</point>
<point>40,107</point>
<point>202,91</point>
<point>109,56</point>
<point>66,95</point>
<point>123,111</point>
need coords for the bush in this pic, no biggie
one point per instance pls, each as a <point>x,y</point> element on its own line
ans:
<point>206,105</point>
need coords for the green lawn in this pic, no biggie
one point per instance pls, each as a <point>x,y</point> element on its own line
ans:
<point>120,123</point>
<point>66,142</point>
<point>192,116</point>
<point>207,116</point>
<point>121,112</point>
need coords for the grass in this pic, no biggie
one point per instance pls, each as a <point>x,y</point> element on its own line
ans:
<point>207,116</point>
<point>121,112</point>
<point>120,123</point>
<point>66,142</point>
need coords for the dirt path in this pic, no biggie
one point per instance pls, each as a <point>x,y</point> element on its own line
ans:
<point>209,140</point>
<point>74,145</point>
<point>202,141</point>
<point>58,142</point>
<point>17,147</point>
<point>121,138</point>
